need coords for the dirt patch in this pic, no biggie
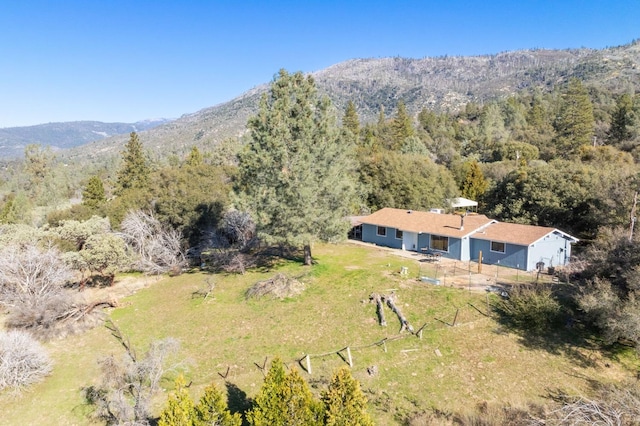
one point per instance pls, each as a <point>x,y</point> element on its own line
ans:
<point>122,287</point>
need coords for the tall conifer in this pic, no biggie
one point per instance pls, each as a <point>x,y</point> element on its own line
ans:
<point>295,174</point>
<point>134,172</point>
<point>575,123</point>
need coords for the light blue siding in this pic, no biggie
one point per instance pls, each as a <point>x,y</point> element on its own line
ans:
<point>369,235</point>
<point>455,246</point>
<point>514,256</point>
<point>554,250</point>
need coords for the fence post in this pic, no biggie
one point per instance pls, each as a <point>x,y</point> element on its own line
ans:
<point>349,357</point>
<point>308,364</point>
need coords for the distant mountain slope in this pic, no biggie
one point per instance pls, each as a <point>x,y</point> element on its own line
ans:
<point>13,140</point>
<point>444,83</point>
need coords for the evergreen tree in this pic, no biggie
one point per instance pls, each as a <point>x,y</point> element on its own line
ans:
<point>622,121</point>
<point>195,158</point>
<point>284,400</point>
<point>474,185</point>
<point>212,410</point>
<point>180,410</point>
<point>38,163</point>
<point>537,114</point>
<point>345,404</point>
<point>350,121</point>
<point>401,127</point>
<point>575,122</point>
<point>134,172</point>
<point>268,406</point>
<point>93,195</point>
<point>295,175</point>
<point>8,211</point>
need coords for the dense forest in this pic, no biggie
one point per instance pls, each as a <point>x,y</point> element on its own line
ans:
<point>566,157</point>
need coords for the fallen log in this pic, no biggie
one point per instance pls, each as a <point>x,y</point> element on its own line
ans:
<point>375,297</point>
<point>404,323</point>
<point>76,313</point>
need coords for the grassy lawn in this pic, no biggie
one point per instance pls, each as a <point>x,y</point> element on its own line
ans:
<point>451,368</point>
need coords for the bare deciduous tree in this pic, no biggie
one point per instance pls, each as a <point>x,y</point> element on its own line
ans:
<point>128,384</point>
<point>23,361</point>
<point>30,276</point>
<point>31,288</point>
<point>239,228</point>
<point>158,248</point>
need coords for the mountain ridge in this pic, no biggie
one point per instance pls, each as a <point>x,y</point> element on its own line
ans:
<point>64,135</point>
<point>444,83</point>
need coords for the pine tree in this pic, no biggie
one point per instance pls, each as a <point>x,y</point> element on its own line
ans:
<point>345,404</point>
<point>351,122</point>
<point>474,184</point>
<point>296,175</point>
<point>8,210</point>
<point>195,158</point>
<point>401,126</point>
<point>284,400</point>
<point>93,195</point>
<point>268,406</point>
<point>575,123</point>
<point>180,410</point>
<point>622,121</point>
<point>134,172</point>
<point>212,410</point>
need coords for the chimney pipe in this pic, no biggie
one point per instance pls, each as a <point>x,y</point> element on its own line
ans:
<point>462,222</point>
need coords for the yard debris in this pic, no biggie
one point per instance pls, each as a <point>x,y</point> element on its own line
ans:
<point>372,371</point>
<point>375,297</point>
<point>380,300</point>
<point>404,323</point>
<point>280,286</point>
<point>499,290</point>
<point>206,291</point>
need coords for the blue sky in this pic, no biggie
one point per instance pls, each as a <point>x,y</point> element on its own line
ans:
<point>113,60</point>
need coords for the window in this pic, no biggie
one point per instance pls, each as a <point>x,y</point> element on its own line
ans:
<point>381,231</point>
<point>439,242</point>
<point>497,247</point>
<point>398,234</point>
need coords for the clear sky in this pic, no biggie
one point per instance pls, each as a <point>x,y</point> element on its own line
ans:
<point>117,60</point>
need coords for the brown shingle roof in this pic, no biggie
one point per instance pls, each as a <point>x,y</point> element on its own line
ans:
<point>425,222</point>
<point>514,233</point>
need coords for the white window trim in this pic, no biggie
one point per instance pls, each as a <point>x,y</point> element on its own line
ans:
<point>441,236</point>
<point>378,231</point>
<point>497,251</point>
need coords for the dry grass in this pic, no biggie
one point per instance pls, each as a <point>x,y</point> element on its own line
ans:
<point>452,368</point>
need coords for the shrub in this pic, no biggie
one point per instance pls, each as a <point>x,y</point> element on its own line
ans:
<point>23,361</point>
<point>533,308</point>
<point>344,401</point>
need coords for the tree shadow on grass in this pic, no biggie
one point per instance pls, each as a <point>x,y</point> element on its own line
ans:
<point>237,400</point>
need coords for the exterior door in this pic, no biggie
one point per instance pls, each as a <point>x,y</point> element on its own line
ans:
<point>409,241</point>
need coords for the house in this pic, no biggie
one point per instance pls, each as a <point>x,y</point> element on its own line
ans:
<point>468,237</point>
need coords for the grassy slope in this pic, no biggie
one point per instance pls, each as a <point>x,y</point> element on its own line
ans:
<point>479,362</point>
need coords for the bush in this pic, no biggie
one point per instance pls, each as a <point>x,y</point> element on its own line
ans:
<point>23,361</point>
<point>532,308</point>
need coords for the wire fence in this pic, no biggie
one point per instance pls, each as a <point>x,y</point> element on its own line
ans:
<point>468,313</point>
